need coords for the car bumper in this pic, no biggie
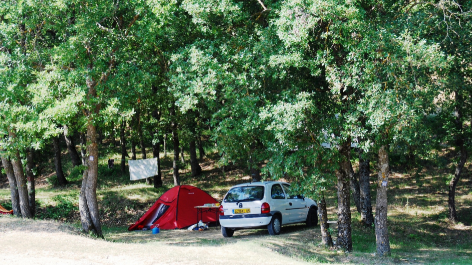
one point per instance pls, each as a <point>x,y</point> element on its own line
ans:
<point>245,220</point>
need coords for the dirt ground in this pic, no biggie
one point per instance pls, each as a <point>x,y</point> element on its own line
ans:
<point>48,242</point>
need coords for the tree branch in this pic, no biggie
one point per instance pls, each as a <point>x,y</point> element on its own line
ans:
<point>262,4</point>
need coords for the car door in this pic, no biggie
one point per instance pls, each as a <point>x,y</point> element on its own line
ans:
<point>278,202</point>
<point>296,205</point>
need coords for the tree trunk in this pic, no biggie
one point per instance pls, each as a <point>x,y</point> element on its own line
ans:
<point>175,138</point>
<point>61,179</point>
<point>83,148</point>
<point>459,138</point>
<point>74,156</point>
<point>141,142</point>
<point>381,227</point>
<point>112,134</point>
<point>344,240</point>
<point>182,157</point>
<point>123,147</point>
<point>143,147</point>
<point>454,181</point>
<point>85,219</point>
<point>133,149</point>
<point>89,211</point>
<point>254,171</point>
<point>88,205</point>
<point>196,168</point>
<point>21,185</point>
<point>326,239</point>
<point>165,146</point>
<point>158,177</point>
<point>201,151</point>
<point>30,178</point>
<point>255,174</point>
<point>100,137</point>
<point>366,205</point>
<point>15,200</point>
<point>354,184</point>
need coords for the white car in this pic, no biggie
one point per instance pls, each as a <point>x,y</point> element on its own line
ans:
<point>268,204</point>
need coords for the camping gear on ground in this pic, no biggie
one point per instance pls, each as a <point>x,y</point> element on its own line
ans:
<point>141,169</point>
<point>176,209</point>
<point>155,230</point>
<point>200,226</point>
<point>5,211</point>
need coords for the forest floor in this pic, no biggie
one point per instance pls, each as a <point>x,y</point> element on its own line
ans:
<point>419,230</point>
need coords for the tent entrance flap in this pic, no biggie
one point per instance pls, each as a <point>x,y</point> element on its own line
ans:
<point>160,211</point>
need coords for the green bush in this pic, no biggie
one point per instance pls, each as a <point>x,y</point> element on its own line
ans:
<point>65,206</point>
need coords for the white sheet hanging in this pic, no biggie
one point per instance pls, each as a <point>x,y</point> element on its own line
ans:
<point>141,169</point>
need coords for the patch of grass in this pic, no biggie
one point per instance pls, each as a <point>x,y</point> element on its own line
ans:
<point>7,205</point>
<point>62,208</point>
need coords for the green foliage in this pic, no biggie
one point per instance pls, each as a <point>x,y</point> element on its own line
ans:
<point>64,206</point>
<point>76,174</point>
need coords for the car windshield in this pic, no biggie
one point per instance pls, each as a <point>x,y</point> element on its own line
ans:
<point>246,193</point>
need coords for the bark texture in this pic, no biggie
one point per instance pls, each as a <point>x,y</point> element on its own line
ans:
<point>354,184</point>
<point>141,135</point>
<point>462,153</point>
<point>15,200</point>
<point>90,181</point>
<point>196,168</point>
<point>85,219</point>
<point>21,185</point>
<point>326,239</point>
<point>453,183</point>
<point>381,226</point>
<point>133,149</point>
<point>175,138</point>
<point>123,147</point>
<point>156,151</point>
<point>30,178</point>
<point>83,148</point>
<point>367,217</point>
<point>88,205</point>
<point>344,240</point>
<point>61,179</point>
<point>142,145</point>
<point>165,146</point>
<point>158,177</point>
<point>74,156</point>
<point>182,157</point>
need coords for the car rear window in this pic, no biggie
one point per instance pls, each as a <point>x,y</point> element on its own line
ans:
<point>246,193</point>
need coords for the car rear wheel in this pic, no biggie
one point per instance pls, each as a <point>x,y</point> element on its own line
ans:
<point>312,217</point>
<point>274,226</point>
<point>226,232</point>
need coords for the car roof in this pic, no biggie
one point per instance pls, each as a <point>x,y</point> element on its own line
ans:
<point>261,183</point>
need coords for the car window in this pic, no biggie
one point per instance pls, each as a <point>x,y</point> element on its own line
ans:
<point>276,192</point>
<point>246,193</point>
<point>290,193</point>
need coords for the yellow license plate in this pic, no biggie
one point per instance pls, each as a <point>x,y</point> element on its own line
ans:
<point>241,211</point>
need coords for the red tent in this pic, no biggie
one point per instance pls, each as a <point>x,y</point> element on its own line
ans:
<point>176,209</point>
<point>5,211</point>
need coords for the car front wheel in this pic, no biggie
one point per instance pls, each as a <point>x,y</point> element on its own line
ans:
<point>226,232</point>
<point>274,226</point>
